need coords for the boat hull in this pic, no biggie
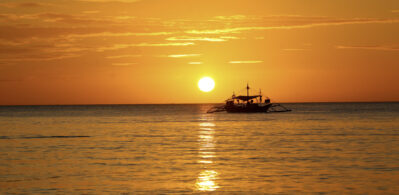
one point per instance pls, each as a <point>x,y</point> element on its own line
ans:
<point>249,108</point>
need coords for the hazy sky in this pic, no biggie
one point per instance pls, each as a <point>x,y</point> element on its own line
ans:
<point>155,51</point>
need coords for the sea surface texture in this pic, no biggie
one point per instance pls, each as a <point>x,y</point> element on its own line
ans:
<point>350,148</point>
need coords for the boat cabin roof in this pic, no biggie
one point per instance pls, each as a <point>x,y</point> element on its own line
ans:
<point>246,98</point>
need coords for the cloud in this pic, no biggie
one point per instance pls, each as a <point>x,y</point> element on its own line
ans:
<point>372,47</point>
<point>246,62</point>
<point>182,55</point>
<point>39,57</point>
<point>210,39</point>
<point>195,63</point>
<point>56,17</point>
<point>29,4</point>
<point>23,5</point>
<point>292,22</point>
<point>68,18</point>
<point>65,33</point>
<point>37,50</point>
<point>46,36</point>
<point>116,34</point>
<point>233,17</point>
<point>125,17</point>
<point>124,46</point>
<point>86,17</point>
<point>187,38</point>
<point>14,16</point>
<point>123,56</point>
<point>43,44</point>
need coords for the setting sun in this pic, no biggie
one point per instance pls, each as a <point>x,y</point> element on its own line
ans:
<point>206,84</point>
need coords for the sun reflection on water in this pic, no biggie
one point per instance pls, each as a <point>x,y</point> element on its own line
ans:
<point>206,181</point>
<point>207,178</point>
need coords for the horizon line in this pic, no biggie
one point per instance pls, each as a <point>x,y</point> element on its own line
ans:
<point>4,105</point>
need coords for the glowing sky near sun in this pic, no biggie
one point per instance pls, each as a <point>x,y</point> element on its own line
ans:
<point>154,51</point>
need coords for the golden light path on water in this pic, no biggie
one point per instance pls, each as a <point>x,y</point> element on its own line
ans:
<point>207,178</point>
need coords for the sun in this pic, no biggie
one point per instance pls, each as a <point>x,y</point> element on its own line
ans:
<point>206,84</point>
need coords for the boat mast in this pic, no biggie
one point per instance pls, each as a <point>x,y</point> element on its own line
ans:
<point>247,92</point>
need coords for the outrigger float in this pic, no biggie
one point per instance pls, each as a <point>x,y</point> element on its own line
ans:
<point>249,104</point>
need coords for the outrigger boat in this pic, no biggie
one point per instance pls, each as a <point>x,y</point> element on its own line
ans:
<point>249,104</point>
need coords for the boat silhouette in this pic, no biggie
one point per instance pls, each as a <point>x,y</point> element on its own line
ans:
<point>249,104</point>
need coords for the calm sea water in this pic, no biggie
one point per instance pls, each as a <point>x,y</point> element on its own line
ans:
<point>350,148</point>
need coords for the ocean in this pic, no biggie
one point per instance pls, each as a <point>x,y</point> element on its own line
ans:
<point>332,148</point>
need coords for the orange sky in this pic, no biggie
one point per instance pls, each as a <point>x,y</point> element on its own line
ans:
<point>154,51</point>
